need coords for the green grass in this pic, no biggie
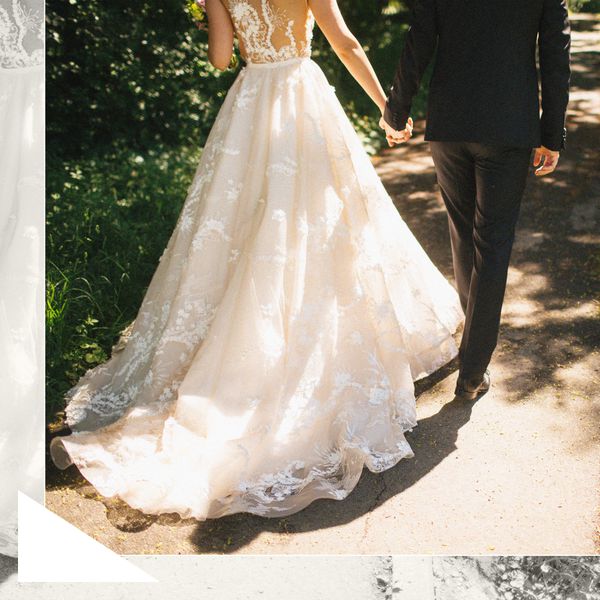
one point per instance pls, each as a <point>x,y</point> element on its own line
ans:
<point>108,222</point>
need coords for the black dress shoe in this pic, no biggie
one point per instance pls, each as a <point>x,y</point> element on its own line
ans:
<point>470,389</point>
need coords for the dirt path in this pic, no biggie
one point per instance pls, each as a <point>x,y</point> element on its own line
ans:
<point>516,472</point>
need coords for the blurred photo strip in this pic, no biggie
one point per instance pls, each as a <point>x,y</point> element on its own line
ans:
<point>22,238</point>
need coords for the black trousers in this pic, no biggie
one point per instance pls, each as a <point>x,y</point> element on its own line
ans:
<point>482,186</point>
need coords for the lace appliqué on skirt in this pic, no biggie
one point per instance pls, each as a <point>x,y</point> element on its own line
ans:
<point>275,351</point>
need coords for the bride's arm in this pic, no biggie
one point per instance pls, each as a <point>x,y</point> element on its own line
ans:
<point>345,45</point>
<point>220,34</point>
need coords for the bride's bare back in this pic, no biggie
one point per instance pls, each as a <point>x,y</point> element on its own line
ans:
<point>271,30</point>
<point>275,30</point>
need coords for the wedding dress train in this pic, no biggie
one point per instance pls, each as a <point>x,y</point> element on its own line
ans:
<point>274,353</point>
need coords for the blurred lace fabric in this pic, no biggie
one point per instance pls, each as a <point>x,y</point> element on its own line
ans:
<point>21,255</point>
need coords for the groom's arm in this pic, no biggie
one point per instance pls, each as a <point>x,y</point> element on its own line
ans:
<point>418,49</point>
<point>555,71</point>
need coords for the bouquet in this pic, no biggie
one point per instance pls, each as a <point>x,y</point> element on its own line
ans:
<point>197,10</point>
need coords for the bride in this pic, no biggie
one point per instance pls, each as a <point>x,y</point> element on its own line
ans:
<point>275,350</point>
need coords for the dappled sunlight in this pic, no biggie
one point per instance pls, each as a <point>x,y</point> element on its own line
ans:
<point>521,312</point>
<point>584,216</point>
<point>550,335</point>
<point>588,34</point>
<point>529,277</point>
<point>586,238</point>
<point>581,375</point>
<point>520,309</point>
<point>528,238</point>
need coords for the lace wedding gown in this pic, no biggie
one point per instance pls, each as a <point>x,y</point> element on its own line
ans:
<point>21,253</point>
<point>275,351</point>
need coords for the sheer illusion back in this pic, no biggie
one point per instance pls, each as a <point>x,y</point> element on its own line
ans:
<point>21,33</point>
<point>272,30</point>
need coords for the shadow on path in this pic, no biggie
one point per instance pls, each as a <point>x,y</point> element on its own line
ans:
<point>432,441</point>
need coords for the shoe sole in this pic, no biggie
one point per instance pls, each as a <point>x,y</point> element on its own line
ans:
<point>464,395</point>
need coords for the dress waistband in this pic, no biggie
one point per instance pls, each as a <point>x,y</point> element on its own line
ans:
<point>278,63</point>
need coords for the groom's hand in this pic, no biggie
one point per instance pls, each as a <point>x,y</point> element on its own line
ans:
<point>545,160</point>
<point>394,136</point>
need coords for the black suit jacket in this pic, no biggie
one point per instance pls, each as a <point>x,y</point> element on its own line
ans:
<point>484,86</point>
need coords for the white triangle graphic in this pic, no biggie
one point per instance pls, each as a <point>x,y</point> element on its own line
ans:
<point>51,549</point>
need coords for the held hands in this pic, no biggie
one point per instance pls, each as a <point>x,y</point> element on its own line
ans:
<point>545,160</point>
<point>396,137</point>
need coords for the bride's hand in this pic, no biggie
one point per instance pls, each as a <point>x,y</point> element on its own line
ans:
<point>394,136</point>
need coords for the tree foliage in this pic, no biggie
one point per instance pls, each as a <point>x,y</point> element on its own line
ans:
<point>129,73</point>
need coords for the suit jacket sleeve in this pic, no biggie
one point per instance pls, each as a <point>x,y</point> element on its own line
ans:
<point>555,71</point>
<point>418,49</point>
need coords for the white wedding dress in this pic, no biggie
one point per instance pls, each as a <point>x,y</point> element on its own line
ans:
<point>275,351</point>
<point>21,260</point>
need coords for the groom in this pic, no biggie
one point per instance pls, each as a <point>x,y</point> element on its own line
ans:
<point>483,121</point>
